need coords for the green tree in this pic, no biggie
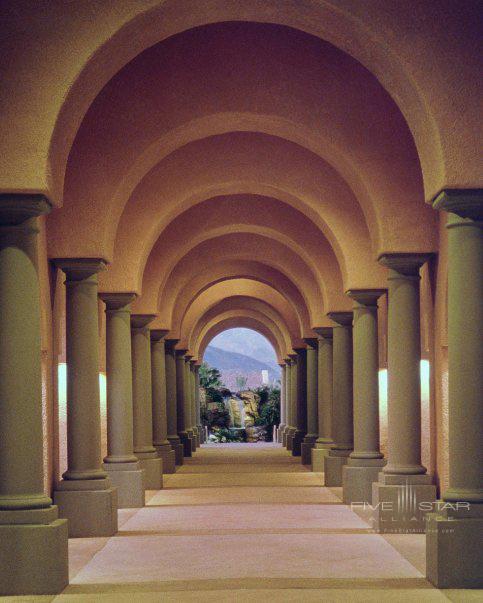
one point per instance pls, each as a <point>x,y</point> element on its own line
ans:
<point>210,377</point>
<point>241,382</point>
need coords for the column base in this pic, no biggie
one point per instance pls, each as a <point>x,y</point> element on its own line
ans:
<point>153,472</point>
<point>400,503</point>
<point>357,479</point>
<point>284,437</point>
<point>318,455</point>
<point>191,436</point>
<point>177,446</point>
<point>298,438</point>
<point>333,464</point>
<point>196,437</point>
<point>454,556</point>
<point>168,457</point>
<point>290,435</point>
<point>306,449</point>
<point>128,478</point>
<point>186,443</point>
<point>90,512</point>
<point>33,557</point>
<point>280,430</point>
<point>201,433</point>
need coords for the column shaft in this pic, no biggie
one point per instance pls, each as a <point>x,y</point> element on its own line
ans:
<point>142,395</point>
<point>119,378</point>
<point>82,347</point>
<point>21,450</point>
<point>325,389</point>
<point>366,375</point>
<point>158,388</point>
<point>159,398</point>
<point>404,469</point>
<point>465,356</point>
<point>142,401</point>
<point>85,495</point>
<point>33,541</point>
<point>454,556</point>
<point>301,407</point>
<point>312,365</point>
<point>171,400</point>
<point>342,417</point>
<point>183,418</point>
<point>403,360</point>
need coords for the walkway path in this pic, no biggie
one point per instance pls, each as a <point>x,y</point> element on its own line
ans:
<point>246,522</point>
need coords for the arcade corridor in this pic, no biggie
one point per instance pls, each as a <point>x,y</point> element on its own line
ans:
<point>307,169</point>
<point>247,522</point>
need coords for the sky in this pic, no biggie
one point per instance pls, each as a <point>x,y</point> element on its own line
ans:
<point>248,342</point>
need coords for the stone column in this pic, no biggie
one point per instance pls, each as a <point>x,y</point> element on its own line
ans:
<point>301,408</point>
<point>312,423</point>
<point>185,438</point>
<point>121,465</point>
<point>201,431</point>
<point>366,460</point>
<point>403,483</point>
<point>158,392</point>
<point>454,556</point>
<point>293,401</point>
<point>188,402</point>
<point>324,396</point>
<point>142,401</point>
<point>194,421</point>
<point>283,402</point>
<point>171,400</point>
<point>84,496</point>
<point>342,417</point>
<point>33,540</point>
<point>288,401</point>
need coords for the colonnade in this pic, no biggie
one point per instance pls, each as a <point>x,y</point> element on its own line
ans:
<point>330,405</point>
<point>345,403</point>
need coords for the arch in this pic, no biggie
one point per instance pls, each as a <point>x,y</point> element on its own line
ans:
<point>242,318</point>
<point>201,278</point>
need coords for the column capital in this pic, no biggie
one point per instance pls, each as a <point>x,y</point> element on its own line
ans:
<point>16,208</point>
<point>466,203</point>
<point>139,321</point>
<point>193,361</point>
<point>117,301</point>
<point>288,360</point>
<point>311,342</point>
<point>77,269</point>
<point>366,297</point>
<point>170,344</point>
<point>323,332</point>
<point>293,358</point>
<point>187,357</point>
<point>341,318</point>
<point>158,334</point>
<point>407,264</point>
<point>181,352</point>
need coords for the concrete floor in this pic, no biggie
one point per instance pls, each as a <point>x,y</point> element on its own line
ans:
<point>246,522</point>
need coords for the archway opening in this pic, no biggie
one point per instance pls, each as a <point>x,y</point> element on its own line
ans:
<point>240,388</point>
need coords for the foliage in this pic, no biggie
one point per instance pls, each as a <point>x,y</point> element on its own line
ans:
<point>210,377</point>
<point>241,382</point>
<point>213,394</point>
<point>227,435</point>
<point>268,408</point>
<point>215,417</point>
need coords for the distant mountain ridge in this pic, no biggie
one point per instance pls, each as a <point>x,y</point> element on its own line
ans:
<point>249,343</point>
<point>233,361</point>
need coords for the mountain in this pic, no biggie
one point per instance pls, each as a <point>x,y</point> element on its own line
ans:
<point>233,365</point>
<point>248,342</point>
